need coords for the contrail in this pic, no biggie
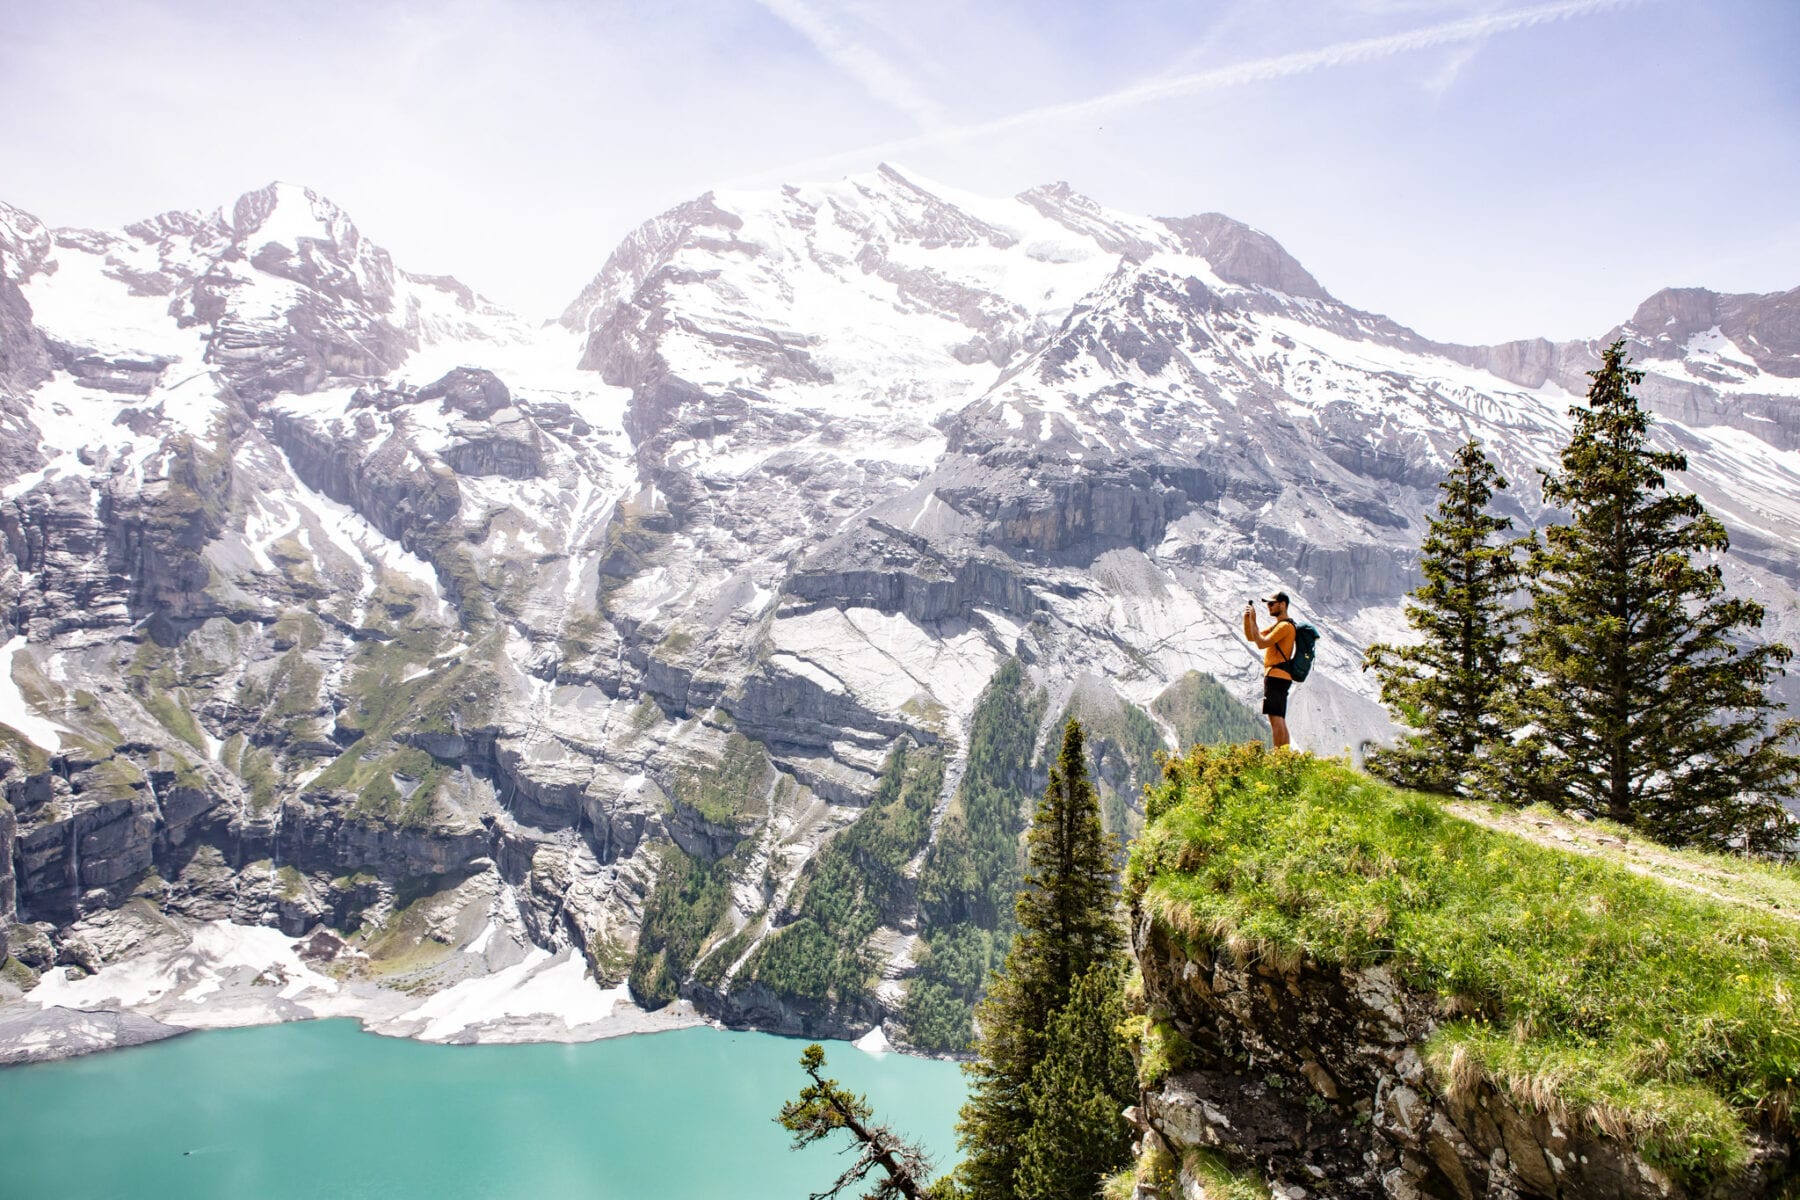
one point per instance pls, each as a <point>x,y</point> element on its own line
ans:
<point>868,67</point>
<point>1259,70</point>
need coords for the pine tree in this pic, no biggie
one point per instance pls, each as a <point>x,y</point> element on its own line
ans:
<point>1078,1093</point>
<point>824,1107</point>
<point>1448,687</point>
<point>1066,927</point>
<point>1647,702</point>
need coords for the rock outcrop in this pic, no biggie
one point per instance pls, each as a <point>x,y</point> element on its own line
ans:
<point>1314,1075</point>
<point>1352,993</point>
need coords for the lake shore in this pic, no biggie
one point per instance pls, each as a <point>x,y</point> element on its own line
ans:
<point>217,975</point>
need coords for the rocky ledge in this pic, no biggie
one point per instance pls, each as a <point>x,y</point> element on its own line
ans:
<point>1351,992</point>
<point>1316,1075</point>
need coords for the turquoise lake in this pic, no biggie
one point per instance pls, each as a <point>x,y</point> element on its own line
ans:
<point>323,1111</point>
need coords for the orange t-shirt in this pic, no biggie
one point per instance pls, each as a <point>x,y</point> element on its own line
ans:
<point>1280,650</point>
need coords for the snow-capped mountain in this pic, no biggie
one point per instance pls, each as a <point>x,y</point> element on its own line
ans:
<point>328,581</point>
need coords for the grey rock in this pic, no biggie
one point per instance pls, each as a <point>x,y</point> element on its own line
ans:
<point>9,886</point>
<point>45,1035</point>
<point>109,373</point>
<point>507,445</point>
<point>471,391</point>
<point>1240,254</point>
<point>24,354</point>
<point>1261,1038</point>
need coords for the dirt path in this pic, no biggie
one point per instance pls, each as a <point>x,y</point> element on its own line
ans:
<point>1746,889</point>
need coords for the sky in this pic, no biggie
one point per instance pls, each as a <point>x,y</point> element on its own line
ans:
<point>1480,170</point>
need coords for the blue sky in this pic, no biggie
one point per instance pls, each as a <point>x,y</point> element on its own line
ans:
<point>1478,169</point>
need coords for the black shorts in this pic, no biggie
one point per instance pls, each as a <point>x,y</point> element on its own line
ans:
<point>1275,690</point>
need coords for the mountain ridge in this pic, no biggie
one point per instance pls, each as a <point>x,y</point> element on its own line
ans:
<point>321,572</point>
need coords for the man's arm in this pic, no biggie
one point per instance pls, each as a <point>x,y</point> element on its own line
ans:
<point>1252,632</point>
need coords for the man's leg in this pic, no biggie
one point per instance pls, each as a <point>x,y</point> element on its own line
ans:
<point>1275,698</point>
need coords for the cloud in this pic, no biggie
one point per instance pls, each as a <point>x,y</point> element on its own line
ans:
<point>1260,70</point>
<point>877,75</point>
<point>1439,81</point>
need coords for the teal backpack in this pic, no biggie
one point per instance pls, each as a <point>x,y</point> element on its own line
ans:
<point>1306,639</point>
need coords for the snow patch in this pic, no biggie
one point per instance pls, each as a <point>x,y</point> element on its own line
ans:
<point>543,985</point>
<point>14,710</point>
<point>78,303</point>
<point>220,952</point>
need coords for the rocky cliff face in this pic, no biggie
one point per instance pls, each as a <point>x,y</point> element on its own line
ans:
<point>328,582</point>
<point>1315,1075</point>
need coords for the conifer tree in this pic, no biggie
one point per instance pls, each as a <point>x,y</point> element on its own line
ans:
<point>826,1106</point>
<point>1447,688</point>
<point>1066,927</point>
<point>1647,702</point>
<point>1078,1093</point>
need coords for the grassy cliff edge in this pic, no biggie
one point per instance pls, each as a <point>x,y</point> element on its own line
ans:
<point>1655,1000</point>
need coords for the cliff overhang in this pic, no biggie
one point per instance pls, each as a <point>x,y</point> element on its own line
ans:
<point>1352,991</point>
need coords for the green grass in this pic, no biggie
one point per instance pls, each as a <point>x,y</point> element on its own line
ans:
<point>90,717</point>
<point>633,537</point>
<point>378,797</point>
<point>609,958</point>
<point>644,715</point>
<point>1161,1050</point>
<point>731,791</point>
<point>927,713</point>
<point>383,705</point>
<point>581,635</point>
<point>1219,1180</point>
<point>171,712</point>
<point>296,562</point>
<point>187,775</point>
<point>115,778</point>
<point>1644,1009</point>
<point>28,754</point>
<point>256,767</point>
<point>18,974</point>
<point>406,942</point>
<point>1158,1169</point>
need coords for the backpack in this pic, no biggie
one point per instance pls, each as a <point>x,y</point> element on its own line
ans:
<point>1306,639</point>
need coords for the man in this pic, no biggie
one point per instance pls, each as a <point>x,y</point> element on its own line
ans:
<point>1277,645</point>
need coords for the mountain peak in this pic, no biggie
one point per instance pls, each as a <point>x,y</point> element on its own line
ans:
<point>1674,314</point>
<point>286,212</point>
<point>24,243</point>
<point>1762,328</point>
<point>1243,255</point>
<point>1115,232</point>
